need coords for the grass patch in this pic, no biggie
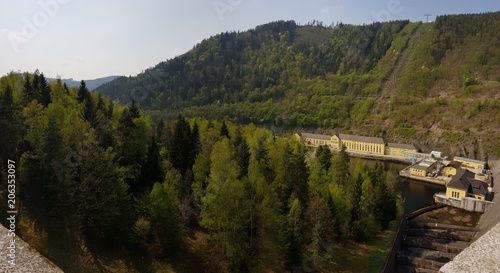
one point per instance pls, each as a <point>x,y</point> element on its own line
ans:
<point>369,256</point>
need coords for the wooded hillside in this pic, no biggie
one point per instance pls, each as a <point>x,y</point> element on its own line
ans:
<point>95,177</point>
<point>434,84</point>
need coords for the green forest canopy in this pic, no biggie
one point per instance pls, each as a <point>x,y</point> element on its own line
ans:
<point>401,80</point>
<point>119,180</point>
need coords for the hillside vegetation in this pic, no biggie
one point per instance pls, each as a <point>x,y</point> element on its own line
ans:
<point>434,84</point>
<point>105,189</point>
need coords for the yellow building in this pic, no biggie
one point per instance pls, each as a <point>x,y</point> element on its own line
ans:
<point>470,163</point>
<point>422,168</point>
<point>463,185</point>
<point>452,168</point>
<point>335,142</point>
<point>373,145</point>
<point>396,149</point>
<point>316,140</point>
<point>363,144</point>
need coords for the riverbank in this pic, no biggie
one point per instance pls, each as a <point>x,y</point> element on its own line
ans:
<point>388,158</point>
<point>441,181</point>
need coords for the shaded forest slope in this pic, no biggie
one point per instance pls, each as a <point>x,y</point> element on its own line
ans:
<point>434,84</point>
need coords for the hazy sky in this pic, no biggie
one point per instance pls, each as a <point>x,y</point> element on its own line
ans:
<point>86,39</point>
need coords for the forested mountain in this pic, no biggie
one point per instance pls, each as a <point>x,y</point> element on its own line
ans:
<point>434,84</point>
<point>100,187</point>
<point>191,185</point>
<point>91,84</point>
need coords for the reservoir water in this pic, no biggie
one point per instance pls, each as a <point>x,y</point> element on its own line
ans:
<point>416,194</point>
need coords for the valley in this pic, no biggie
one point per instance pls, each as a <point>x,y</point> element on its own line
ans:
<point>194,165</point>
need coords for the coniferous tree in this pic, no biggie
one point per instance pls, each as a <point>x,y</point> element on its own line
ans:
<point>283,178</point>
<point>151,169</point>
<point>45,98</point>
<point>242,153</point>
<point>355,198</point>
<point>89,111</point>
<point>179,145</point>
<point>339,170</point>
<point>163,213</point>
<point>51,151</point>
<point>160,132</point>
<point>109,112</point>
<point>100,104</point>
<point>267,223</point>
<point>131,148</point>
<point>37,85</point>
<point>261,155</point>
<point>224,131</point>
<point>99,209</point>
<point>195,144</point>
<point>324,156</point>
<point>83,92</point>
<point>66,89</point>
<point>36,80</point>
<point>133,109</point>
<point>319,231</point>
<point>224,211</point>
<point>28,90</point>
<point>299,174</point>
<point>10,127</point>
<point>295,232</point>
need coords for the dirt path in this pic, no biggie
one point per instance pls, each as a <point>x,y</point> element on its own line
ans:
<point>404,58</point>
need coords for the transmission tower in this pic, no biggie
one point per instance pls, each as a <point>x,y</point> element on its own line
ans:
<point>427,15</point>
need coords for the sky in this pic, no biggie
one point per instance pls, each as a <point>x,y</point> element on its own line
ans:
<point>88,39</point>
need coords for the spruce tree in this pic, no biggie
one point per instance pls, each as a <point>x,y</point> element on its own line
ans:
<point>45,98</point>
<point>8,131</point>
<point>83,92</point>
<point>179,145</point>
<point>28,90</point>
<point>224,132</point>
<point>242,153</point>
<point>151,169</point>
<point>133,109</point>
<point>89,111</point>
<point>324,156</point>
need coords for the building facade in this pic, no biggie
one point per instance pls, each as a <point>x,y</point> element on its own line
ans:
<point>353,143</point>
<point>316,140</point>
<point>452,168</point>
<point>464,184</point>
<point>396,149</point>
<point>422,168</point>
<point>470,163</point>
<point>363,144</point>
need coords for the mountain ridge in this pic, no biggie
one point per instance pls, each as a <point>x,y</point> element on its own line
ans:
<point>411,81</point>
<point>91,84</point>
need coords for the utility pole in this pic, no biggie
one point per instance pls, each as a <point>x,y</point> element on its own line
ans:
<point>427,15</point>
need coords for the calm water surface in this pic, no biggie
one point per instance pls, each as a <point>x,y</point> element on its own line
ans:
<point>415,193</point>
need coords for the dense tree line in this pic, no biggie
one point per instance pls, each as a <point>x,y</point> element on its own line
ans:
<point>342,76</point>
<point>257,65</point>
<point>119,180</point>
